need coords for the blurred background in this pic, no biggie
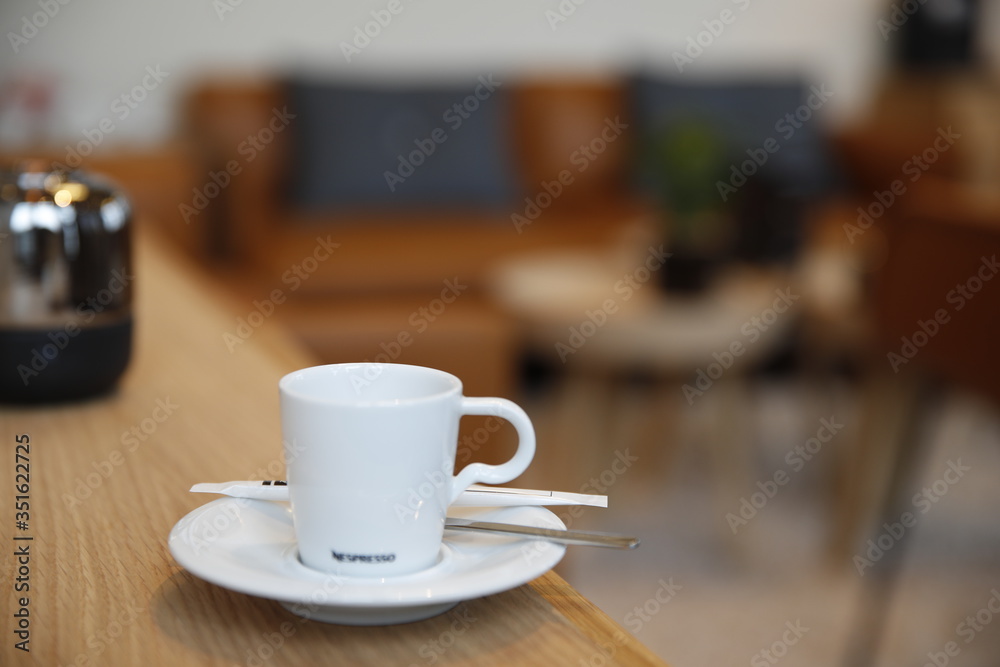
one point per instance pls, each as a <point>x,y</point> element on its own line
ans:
<point>734,257</point>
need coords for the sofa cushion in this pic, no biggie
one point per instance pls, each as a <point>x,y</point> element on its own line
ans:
<point>759,148</point>
<point>747,114</point>
<point>360,145</point>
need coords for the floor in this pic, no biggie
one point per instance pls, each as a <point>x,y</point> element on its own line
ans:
<point>698,595</point>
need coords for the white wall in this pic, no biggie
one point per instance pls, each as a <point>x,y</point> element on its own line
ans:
<point>98,49</point>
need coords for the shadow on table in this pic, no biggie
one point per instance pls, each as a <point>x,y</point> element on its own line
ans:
<point>216,622</point>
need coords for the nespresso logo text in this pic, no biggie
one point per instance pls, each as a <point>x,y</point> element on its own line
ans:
<point>363,558</point>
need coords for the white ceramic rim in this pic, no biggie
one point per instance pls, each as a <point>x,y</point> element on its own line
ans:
<point>285,385</point>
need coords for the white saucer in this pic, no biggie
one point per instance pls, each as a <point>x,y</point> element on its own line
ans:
<point>249,546</point>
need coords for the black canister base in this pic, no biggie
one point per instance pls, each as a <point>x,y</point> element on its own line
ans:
<point>47,365</point>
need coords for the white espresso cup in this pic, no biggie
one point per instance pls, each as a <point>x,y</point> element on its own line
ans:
<point>370,455</point>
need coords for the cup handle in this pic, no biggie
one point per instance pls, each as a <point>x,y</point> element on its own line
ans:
<point>475,473</point>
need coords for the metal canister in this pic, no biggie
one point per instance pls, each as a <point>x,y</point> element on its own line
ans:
<point>66,284</point>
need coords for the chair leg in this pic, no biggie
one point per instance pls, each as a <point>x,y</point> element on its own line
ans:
<point>728,442</point>
<point>865,461</point>
<point>581,424</point>
<point>658,433</point>
<point>881,577</point>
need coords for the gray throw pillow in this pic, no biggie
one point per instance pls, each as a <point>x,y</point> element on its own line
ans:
<point>415,146</point>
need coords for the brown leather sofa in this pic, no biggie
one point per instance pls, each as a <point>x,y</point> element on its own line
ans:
<point>366,300</point>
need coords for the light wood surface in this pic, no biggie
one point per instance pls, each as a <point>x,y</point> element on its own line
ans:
<point>104,589</point>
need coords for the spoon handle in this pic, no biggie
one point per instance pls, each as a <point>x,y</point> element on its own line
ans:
<point>578,537</point>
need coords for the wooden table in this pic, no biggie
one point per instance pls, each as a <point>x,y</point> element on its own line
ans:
<point>109,478</point>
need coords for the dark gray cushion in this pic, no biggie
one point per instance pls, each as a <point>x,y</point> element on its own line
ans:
<point>348,139</point>
<point>730,119</point>
<point>746,114</point>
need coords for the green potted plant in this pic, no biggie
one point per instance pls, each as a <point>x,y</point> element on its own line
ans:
<point>685,161</point>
